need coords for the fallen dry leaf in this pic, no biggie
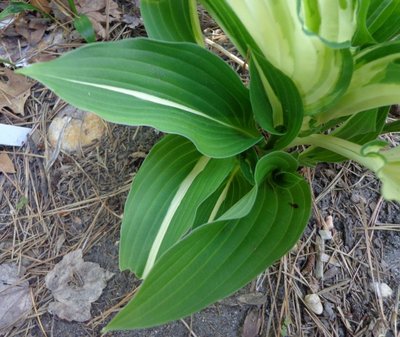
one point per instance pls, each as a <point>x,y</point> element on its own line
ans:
<point>133,21</point>
<point>20,38</point>
<point>95,10</point>
<point>14,92</point>
<point>32,30</point>
<point>75,284</point>
<point>15,299</point>
<point>252,323</point>
<point>43,5</point>
<point>6,165</point>
<point>255,298</point>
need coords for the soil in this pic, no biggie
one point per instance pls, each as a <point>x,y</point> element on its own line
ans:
<point>78,203</point>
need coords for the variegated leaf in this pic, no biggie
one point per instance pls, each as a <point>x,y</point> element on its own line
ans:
<point>179,88</point>
<point>172,183</point>
<point>275,29</point>
<point>375,82</point>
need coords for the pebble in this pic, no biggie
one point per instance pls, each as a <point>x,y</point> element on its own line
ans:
<point>75,131</point>
<point>382,289</point>
<point>313,302</point>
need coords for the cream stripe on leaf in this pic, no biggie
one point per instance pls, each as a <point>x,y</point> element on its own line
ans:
<point>375,82</point>
<point>179,88</point>
<point>172,183</point>
<point>172,209</point>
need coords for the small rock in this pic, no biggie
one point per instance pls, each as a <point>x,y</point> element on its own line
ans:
<point>325,234</point>
<point>313,302</point>
<point>382,289</point>
<point>324,257</point>
<point>73,129</point>
<point>329,222</point>
<point>355,198</point>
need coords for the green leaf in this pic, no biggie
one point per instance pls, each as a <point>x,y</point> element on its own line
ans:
<point>16,7</point>
<point>383,19</point>
<point>22,203</point>
<point>178,88</point>
<point>391,127</point>
<point>274,28</point>
<point>231,24</point>
<point>360,129</point>
<point>72,6</point>
<point>161,207</point>
<point>375,82</point>
<point>85,28</point>
<point>172,20</point>
<point>220,257</point>
<point>228,194</point>
<point>362,35</point>
<point>277,105</point>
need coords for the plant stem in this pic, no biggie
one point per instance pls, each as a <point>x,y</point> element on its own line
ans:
<point>343,147</point>
<point>72,6</point>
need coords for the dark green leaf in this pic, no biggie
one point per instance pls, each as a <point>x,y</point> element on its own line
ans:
<point>383,19</point>
<point>391,127</point>
<point>362,35</point>
<point>277,105</point>
<point>172,20</point>
<point>85,28</point>
<point>228,194</point>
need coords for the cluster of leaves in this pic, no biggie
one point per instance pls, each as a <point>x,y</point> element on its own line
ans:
<point>216,202</point>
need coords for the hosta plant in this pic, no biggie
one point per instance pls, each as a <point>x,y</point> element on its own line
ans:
<point>220,198</point>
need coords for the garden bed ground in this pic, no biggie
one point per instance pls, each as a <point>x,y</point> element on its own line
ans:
<point>77,202</point>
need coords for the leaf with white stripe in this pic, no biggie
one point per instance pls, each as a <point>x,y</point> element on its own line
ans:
<point>178,88</point>
<point>172,183</point>
<point>220,257</point>
<point>375,82</point>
